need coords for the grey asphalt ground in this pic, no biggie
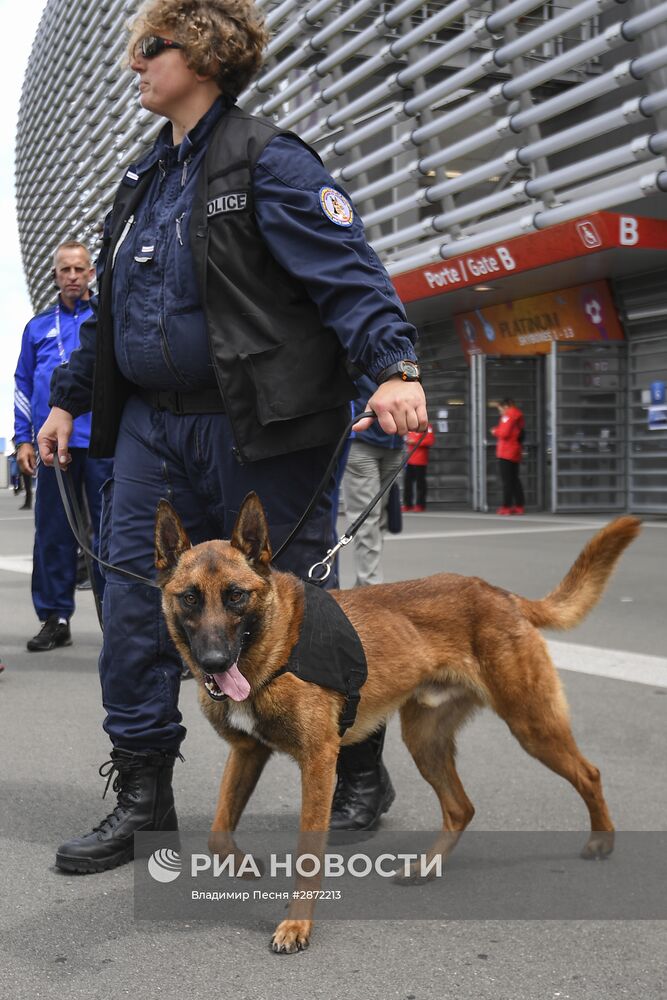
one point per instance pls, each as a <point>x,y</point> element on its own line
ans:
<point>76,937</point>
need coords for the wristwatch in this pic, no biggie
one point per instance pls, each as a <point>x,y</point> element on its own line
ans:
<point>408,370</point>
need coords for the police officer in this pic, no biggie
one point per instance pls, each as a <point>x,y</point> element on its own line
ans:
<point>48,340</point>
<point>235,283</point>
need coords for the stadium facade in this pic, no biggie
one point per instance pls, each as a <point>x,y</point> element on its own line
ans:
<point>508,159</point>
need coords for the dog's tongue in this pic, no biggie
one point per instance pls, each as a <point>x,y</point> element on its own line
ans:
<point>233,683</point>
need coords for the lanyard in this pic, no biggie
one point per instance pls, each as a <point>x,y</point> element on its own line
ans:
<point>59,340</point>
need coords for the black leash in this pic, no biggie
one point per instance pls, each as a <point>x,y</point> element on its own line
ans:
<point>317,496</point>
<point>345,539</point>
<point>77,525</point>
<point>69,499</point>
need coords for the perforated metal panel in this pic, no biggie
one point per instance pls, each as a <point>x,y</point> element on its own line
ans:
<point>643,302</point>
<point>447,386</point>
<point>647,459</point>
<point>589,447</point>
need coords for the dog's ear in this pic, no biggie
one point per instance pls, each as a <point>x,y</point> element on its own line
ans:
<point>171,541</point>
<point>251,533</point>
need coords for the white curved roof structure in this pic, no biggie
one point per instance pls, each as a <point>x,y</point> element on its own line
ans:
<point>453,124</point>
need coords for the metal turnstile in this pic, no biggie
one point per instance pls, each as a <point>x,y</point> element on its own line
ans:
<point>589,427</point>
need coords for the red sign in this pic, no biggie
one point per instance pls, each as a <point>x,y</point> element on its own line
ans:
<point>590,234</point>
<point>528,326</point>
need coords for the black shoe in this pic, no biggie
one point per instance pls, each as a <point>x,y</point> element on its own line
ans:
<point>145,803</point>
<point>52,633</point>
<point>186,673</point>
<point>27,505</point>
<point>364,790</point>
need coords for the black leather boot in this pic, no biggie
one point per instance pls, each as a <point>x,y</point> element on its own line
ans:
<point>364,790</point>
<point>145,802</point>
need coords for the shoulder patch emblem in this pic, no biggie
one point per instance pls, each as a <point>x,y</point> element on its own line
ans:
<point>336,207</point>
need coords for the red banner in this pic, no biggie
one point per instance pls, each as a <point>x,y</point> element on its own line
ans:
<point>590,234</point>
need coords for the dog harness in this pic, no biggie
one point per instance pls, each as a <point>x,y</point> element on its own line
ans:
<point>328,652</point>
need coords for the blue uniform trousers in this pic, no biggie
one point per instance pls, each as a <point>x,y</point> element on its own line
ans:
<point>54,560</point>
<point>189,461</point>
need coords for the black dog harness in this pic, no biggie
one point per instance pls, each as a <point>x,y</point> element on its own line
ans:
<point>328,652</point>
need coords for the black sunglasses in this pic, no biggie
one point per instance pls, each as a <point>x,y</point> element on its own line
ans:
<point>152,45</point>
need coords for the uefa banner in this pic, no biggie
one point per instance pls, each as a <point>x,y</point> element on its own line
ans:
<point>529,326</point>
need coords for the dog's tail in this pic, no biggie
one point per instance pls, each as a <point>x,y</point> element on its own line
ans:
<point>584,583</point>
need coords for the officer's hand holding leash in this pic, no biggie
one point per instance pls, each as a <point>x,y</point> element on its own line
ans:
<point>53,438</point>
<point>399,407</point>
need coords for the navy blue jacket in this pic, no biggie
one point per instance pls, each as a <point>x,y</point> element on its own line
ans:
<point>162,332</point>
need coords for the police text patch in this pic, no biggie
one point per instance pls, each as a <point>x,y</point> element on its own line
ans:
<point>235,201</point>
<point>336,207</point>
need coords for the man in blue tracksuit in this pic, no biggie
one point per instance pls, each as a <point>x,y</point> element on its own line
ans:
<point>48,340</point>
<point>235,285</point>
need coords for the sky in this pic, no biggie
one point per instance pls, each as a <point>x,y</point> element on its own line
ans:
<point>22,20</point>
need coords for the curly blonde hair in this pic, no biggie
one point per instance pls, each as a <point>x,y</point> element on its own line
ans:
<point>223,39</point>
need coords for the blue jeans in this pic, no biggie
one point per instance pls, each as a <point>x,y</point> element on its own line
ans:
<point>189,461</point>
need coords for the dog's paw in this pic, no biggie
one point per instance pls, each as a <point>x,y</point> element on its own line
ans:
<point>291,936</point>
<point>599,846</point>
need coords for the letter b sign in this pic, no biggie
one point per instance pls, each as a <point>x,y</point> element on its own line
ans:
<point>629,231</point>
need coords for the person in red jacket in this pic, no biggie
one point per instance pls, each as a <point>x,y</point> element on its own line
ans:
<point>509,434</point>
<point>415,472</point>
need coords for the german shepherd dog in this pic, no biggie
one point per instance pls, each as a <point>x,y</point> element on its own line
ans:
<point>437,649</point>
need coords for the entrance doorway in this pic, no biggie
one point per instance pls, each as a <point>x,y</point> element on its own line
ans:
<point>492,380</point>
<point>589,445</point>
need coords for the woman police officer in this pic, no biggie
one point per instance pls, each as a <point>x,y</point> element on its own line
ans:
<point>235,283</point>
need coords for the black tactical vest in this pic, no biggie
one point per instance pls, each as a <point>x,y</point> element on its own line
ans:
<point>281,373</point>
<point>328,652</point>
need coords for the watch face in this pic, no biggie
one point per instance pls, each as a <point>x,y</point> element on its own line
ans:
<point>409,370</point>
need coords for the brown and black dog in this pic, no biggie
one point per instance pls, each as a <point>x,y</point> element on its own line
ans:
<point>437,649</point>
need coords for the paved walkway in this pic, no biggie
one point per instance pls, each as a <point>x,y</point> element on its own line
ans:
<point>72,937</point>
